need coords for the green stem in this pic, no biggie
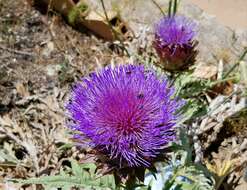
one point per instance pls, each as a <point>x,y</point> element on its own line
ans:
<point>171,181</point>
<point>112,29</point>
<point>218,184</point>
<point>223,80</point>
<point>170,8</point>
<point>236,64</point>
<point>174,7</point>
<point>131,183</point>
<point>174,77</point>
<point>159,7</point>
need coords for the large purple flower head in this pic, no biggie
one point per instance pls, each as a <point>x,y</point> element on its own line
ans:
<point>174,42</point>
<point>126,113</point>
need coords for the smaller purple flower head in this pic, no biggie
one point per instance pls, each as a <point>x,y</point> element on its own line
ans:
<point>174,42</point>
<point>126,113</point>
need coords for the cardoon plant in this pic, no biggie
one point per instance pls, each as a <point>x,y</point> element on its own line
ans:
<point>125,114</point>
<point>174,42</point>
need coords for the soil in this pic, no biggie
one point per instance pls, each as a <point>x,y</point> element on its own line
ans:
<point>40,57</point>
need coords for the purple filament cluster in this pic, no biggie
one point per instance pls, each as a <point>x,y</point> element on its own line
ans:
<point>126,113</point>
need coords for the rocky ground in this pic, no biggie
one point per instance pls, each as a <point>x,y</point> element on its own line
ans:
<point>41,56</point>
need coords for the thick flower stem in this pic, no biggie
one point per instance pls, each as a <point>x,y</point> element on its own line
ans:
<point>131,183</point>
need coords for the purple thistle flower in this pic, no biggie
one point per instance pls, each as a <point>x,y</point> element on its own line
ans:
<point>174,42</point>
<point>126,113</point>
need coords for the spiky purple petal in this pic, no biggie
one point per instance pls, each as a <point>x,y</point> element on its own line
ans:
<point>174,42</point>
<point>177,30</point>
<point>125,112</point>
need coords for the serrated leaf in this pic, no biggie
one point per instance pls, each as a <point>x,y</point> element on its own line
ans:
<point>76,169</point>
<point>186,175</point>
<point>188,86</point>
<point>83,176</point>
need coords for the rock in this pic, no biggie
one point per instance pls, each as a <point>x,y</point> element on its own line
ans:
<point>48,49</point>
<point>242,184</point>
<point>53,70</point>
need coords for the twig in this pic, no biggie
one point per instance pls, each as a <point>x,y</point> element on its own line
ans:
<point>112,29</point>
<point>11,136</point>
<point>17,51</point>
<point>220,103</point>
<point>51,32</point>
<point>236,64</point>
<point>159,7</point>
<point>49,7</point>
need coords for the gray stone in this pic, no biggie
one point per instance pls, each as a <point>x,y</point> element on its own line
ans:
<point>242,184</point>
